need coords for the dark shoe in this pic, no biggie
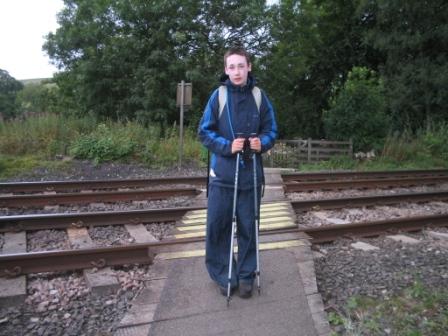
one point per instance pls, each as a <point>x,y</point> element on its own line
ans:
<point>223,290</point>
<point>245,290</point>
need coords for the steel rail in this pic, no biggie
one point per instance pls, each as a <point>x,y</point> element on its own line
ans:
<point>12,265</point>
<point>39,186</point>
<point>370,229</point>
<point>331,233</point>
<point>36,262</point>
<point>362,184</point>
<point>344,202</point>
<point>103,218</point>
<point>361,174</point>
<point>100,196</point>
<point>88,219</point>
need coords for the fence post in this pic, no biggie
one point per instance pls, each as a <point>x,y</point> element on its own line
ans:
<point>309,150</point>
<point>351,148</point>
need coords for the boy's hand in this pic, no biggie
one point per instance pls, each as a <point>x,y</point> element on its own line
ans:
<point>237,145</point>
<point>255,144</point>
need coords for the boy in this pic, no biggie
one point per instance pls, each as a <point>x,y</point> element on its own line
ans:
<point>223,130</point>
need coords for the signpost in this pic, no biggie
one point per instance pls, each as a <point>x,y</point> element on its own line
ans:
<point>183,101</point>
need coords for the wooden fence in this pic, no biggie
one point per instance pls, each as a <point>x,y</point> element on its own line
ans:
<point>291,153</point>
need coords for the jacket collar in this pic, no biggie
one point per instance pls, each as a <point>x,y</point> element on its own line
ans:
<point>225,80</point>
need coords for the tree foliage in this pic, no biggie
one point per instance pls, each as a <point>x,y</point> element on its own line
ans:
<point>316,43</point>
<point>9,87</point>
<point>123,59</point>
<point>358,111</point>
<point>39,97</point>
<point>413,35</point>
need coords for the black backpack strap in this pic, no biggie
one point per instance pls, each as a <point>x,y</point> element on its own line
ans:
<point>208,171</point>
<point>263,182</point>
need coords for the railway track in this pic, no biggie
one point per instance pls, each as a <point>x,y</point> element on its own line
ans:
<point>24,201</point>
<point>25,263</point>
<point>344,175</point>
<point>364,183</point>
<point>66,220</point>
<point>82,257</point>
<point>89,219</point>
<point>65,186</point>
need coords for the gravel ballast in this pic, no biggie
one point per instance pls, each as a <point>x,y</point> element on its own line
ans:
<point>61,303</point>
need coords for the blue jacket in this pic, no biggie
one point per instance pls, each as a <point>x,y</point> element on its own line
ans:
<point>240,115</point>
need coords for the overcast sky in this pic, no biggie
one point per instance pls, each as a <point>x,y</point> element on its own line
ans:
<point>23,25</point>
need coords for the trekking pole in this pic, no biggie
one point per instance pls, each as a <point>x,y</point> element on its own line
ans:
<point>235,191</point>
<point>257,221</point>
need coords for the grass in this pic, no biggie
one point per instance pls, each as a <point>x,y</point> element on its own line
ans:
<point>425,150</point>
<point>417,311</point>
<point>47,136</point>
<point>36,141</point>
<point>11,166</point>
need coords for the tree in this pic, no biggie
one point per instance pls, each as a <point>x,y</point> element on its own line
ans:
<point>413,37</point>
<point>9,87</point>
<point>316,43</point>
<point>39,97</point>
<point>358,111</point>
<point>123,59</point>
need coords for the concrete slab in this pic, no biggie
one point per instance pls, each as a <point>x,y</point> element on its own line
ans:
<point>79,238</point>
<point>140,330</point>
<point>100,281</point>
<point>404,239</point>
<point>306,269</point>
<point>438,235</point>
<point>140,234</point>
<point>191,304</point>
<point>364,246</point>
<point>13,291</point>
<point>14,242</point>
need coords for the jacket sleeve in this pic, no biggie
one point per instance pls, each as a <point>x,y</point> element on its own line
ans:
<point>268,125</point>
<point>208,130</point>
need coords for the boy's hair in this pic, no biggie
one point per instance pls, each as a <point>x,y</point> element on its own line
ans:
<point>236,51</point>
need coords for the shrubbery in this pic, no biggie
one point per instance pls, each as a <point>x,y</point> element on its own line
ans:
<point>105,144</point>
<point>358,111</point>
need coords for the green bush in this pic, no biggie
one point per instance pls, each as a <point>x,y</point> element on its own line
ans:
<point>46,135</point>
<point>436,141</point>
<point>358,111</point>
<point>106,143</point>
<point>165,152</point>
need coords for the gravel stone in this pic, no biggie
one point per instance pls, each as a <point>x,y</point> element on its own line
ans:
<point>160,230</point>
<point>86,170</point>
<point>364,214</point>
<point>98,207</point>
<point>61,304</point>
<point>110,235</point>
<point>317,194</point>
<point>343,271</point>
<point>46,240</point>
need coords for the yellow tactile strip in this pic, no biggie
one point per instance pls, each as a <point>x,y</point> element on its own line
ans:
<point>272,216</point>
<point>201,252</point>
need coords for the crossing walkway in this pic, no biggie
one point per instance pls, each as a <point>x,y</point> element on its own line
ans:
<point>182,300</point>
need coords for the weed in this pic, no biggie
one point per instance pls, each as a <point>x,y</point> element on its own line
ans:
<point>418,310</point>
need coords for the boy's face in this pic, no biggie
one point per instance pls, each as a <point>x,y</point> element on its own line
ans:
<point>237,69</point>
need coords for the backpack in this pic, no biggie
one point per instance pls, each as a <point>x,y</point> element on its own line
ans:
<point>222,95</point>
